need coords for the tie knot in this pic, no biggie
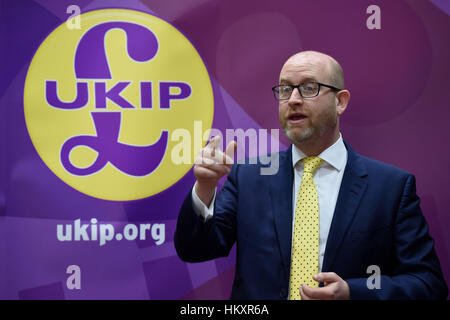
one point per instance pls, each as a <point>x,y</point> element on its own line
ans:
<point>311,164</point>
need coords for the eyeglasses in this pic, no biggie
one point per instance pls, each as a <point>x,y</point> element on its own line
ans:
<point>307,90</point>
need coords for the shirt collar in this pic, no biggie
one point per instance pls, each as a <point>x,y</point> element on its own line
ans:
<point>335,155</point>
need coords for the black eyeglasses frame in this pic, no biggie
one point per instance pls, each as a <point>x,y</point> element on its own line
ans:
<point>299,91</point>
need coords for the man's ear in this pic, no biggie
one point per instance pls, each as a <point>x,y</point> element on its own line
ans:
<point>342,99</point>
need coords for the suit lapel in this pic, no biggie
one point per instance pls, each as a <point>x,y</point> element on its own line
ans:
<point>352,189</point>
<point>281,199</point>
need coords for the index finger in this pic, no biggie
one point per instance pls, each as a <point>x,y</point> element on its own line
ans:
<point>213,145</point>
<point>316,293</point>
<point>214,142</point>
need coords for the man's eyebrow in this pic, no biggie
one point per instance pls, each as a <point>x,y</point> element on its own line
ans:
<point>309,78</point>
<point>305,79</point>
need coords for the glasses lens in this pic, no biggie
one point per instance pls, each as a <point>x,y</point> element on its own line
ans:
<point>309,89</point>
<point>284,92</point>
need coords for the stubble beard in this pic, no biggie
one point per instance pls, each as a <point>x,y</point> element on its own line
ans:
<point>298,138</point>
<point>311,133</point>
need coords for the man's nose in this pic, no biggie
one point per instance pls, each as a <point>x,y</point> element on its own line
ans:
<point>295,98</point>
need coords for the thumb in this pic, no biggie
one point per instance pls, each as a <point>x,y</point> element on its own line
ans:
<point>229,152</point>
<point>326,277</point>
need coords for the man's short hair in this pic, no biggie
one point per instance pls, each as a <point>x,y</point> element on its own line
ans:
<point>336,74</point>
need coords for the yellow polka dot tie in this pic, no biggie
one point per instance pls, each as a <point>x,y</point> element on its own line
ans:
<point>305,248</point>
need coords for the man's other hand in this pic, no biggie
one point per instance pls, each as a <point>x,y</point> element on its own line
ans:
<point>335,288</point>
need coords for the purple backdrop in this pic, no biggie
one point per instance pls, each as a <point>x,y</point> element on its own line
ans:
<point>398,77</point>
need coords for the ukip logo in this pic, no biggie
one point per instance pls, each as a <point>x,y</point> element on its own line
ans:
<point>100,102</point>
<point>133,160</point>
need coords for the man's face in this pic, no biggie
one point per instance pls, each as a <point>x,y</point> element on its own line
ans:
<point>306,120</point>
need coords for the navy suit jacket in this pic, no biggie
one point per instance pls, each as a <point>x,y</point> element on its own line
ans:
<point>377,221</point>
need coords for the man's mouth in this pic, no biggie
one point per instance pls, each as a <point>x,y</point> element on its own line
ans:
<point>296,117</point>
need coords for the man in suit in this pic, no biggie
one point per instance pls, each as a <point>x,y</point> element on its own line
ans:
<point>312,230</point>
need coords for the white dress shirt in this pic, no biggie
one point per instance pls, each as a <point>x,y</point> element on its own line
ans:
<point>327,178</point>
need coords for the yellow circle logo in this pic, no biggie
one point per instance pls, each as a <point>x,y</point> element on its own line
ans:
<point>101,103</point>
